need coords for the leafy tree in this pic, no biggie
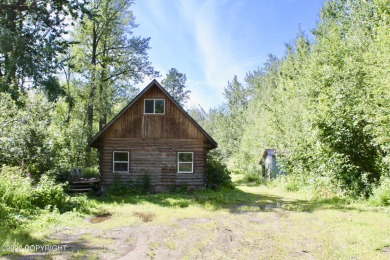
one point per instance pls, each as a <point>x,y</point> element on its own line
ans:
<point>198,114</point>
<point>31,37</point>
<point>232,120</point>
<point>108,58</point>
<point>174,83</point>
<point>258,116</point>
<point>351,153</point>
<point>236,95</point>
<point>218,174</point>
<point>325,104</point>
<point>24,139</point>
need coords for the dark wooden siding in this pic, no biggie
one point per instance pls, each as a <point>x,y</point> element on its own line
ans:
<point>153,142</point>
<point>172,125</point>
<point>158,159</point>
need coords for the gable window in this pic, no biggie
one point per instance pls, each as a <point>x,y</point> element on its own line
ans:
<point>154,106</point>
<point>120,162</point>
<point>185,162</point>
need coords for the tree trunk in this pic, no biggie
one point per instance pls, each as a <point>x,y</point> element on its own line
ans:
<point>91,99</point>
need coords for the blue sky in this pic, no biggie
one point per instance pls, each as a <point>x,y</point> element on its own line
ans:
<point>213,40</point>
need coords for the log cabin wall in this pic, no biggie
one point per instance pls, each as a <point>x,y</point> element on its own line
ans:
<point>156,158</point>
<point>153,142</point>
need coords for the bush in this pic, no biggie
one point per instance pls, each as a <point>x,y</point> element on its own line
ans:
<point>15,189</point>
<point>218,174</point>
<point>90,172</point>
<point>140,186</point>
<point>318,187</point>
<point>252,178</point>
<point>21,199</point>
<point>381,193</point>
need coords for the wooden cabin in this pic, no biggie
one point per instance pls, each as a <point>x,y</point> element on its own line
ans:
<point>153,135</point>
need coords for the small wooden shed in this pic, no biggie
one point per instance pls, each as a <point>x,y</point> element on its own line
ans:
<point>153,135</point>
<point>268,164</point>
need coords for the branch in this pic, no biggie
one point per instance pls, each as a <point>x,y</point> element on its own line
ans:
<point>113,48</point>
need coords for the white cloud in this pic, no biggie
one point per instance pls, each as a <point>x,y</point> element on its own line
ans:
<point>216,48</point>
<point>197,38</point>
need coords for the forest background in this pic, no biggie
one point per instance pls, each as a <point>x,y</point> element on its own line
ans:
<point>67,67</point>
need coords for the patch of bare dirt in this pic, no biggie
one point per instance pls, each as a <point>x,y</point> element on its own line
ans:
<point>386,250</point>
<point>145,215</point>
<point>192,221</point>
<point>100,218</point>
<point>194,238</point>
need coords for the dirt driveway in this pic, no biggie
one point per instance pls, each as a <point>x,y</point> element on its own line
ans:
<point>269,228</point>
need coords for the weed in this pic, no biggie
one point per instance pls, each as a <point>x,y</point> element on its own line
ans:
<point>381,194</point>
<point>22,199</point>
<point>153,247</point>
<point>139,187</point>
<point>251,179</point>
<point>218,174</point>
<point>171,245</point>
<point>145,216</point>
<point>90,172</point>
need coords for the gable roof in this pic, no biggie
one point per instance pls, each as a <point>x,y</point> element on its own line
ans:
<point>151,84</point>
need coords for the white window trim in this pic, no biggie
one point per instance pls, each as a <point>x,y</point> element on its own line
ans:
<point>178,163</point>
<point>154,107</point>
<point>113,161</point>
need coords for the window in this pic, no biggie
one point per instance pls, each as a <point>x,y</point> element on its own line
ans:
<point>120,162</point>
<point>185,162</point>
<point>154,106</point>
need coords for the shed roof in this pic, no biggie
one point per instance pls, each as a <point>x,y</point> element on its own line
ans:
<point>93,141</point>
<point>269,151</point>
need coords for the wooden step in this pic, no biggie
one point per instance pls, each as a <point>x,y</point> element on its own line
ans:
<point>80,190</point>
<point>83,186</point>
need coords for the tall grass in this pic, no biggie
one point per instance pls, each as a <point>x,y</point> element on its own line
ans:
<point>381,194</point>
<point>22,199</point>
<point>90,172</point>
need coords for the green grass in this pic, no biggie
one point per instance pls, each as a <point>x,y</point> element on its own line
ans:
<point>90,172</point>
<point>247,222</point>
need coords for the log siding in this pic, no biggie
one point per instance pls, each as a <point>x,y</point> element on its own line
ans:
<point>153,142</point>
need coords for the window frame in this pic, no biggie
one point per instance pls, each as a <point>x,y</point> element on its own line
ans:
<point>178,163</point>
<point>128,161</point>
<point>154,106</point>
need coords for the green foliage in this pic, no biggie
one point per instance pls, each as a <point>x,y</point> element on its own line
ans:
<point>21,199</point>
<point>218,175</point>
<point>324,105</point>
<point>24,139</point>
<point>210,198</point>
<point>31,39</point>
<point>138,187</point>
<point>251,178</point>
<point>381,193</point>
<point>90,172</point>
<point>108,60</point>
<point>174,83</point>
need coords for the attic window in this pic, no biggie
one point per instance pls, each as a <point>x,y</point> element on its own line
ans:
<point>185,162</point>
<point>154,106</point>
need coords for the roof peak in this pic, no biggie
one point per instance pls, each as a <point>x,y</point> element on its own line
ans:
<point>154,82</point>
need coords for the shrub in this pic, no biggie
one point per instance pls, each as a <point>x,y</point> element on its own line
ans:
<point>140,186</point>
<point>381,193</point>
<point>218,174</point>
<point>21,199</point>
<point>293,182</point>
<point>48,194</point>
<point>90,172</point>
<point>252,178</point>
